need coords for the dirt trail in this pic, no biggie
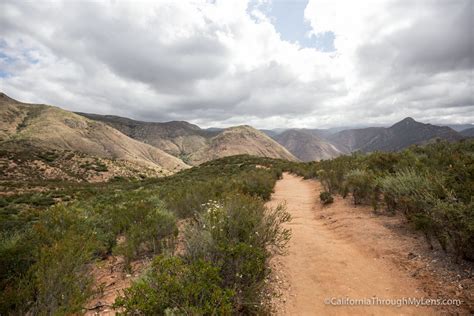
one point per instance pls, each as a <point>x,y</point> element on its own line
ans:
<point>323,264</point>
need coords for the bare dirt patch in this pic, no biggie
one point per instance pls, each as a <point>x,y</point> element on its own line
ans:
<point>110,279</point>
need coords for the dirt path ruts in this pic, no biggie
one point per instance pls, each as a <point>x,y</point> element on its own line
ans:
<point>321,265</point>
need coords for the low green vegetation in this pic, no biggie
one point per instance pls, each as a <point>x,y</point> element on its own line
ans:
<point>173,286</point>
<point>326,198</point>
<point>50,238</point>
<point>433,186</point>
<point>224,264</point>
<point>95,166</point>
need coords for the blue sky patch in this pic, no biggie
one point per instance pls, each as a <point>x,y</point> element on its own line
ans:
<point>288,19</point>
<point>7,59</point>
<point>4,74</point>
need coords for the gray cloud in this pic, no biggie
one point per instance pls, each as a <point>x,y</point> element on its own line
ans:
<point>214,64</point>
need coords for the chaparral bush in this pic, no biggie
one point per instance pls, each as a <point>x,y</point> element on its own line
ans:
<point>239,234</point>
<point>173,286</point>
<point>326,197</point>
<point>360,183</point>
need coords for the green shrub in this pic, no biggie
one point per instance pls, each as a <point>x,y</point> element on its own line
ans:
<point>187,198</point>
<point>432,208</point>
<point>152,231</point>
<point>326,197</point>
<point>238,235</point>
<point>240,218</point>
<point>243,268</point>
<point>404,191</point>
<point>279,173</point>
<point>60,278</point>
<point>95,166</point>
<point>15,259</point>
<point>331,179</point>
<point>380,162</point>
<point>360,184</point>
<point>332,173</point>
<point>454,227</point>
<point>174,287</point>
<point>258,183</point>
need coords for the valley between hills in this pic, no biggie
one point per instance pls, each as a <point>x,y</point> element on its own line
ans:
<point>101,147</point>
<point>101,215</point>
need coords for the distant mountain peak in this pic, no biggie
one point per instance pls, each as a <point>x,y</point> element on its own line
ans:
<point>242,139</point>
<point>237,127</point>
<point>407,121</point>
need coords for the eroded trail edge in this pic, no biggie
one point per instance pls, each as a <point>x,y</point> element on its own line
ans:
<point>323,263</point>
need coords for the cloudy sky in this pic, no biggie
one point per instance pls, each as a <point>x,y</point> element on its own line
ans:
<point>268,63</point>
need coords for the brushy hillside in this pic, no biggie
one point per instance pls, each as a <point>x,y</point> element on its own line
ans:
<point>22,165</point>
<point>49,240</point>
<point>52,128</point>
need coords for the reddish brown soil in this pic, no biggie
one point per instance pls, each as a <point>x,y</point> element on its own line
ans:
<point>110,280</point>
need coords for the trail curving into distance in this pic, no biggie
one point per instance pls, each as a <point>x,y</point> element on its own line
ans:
<point>322,264</point>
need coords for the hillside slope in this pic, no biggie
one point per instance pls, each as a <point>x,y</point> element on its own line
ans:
<point>240,140</point>
<point>50,127</point>
<point>177,138</point>
<point>399,136</point>
<point>307,146</point>
<point>468,132</point>
<point>353,139</point>
<point>195,145</point>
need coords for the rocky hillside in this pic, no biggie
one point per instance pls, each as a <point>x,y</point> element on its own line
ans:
<point>401,135</point>
<point>307,146</point>
<point>52,128</point>
<point>177,138</point>
<point>240,140</point>
<point>172,146</point>
<point>195,145</point>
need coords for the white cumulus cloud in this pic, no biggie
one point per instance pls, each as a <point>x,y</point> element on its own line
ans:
<point>223,62</point>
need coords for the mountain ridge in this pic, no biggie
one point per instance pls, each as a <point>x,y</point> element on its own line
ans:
<point>306,145</point>
<point>178,143</point>
<point>177,138</point>
<point>469,132</point>
<point>195,145</point>
<point>400,135</point>
<point>50,127</point>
